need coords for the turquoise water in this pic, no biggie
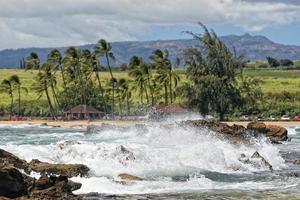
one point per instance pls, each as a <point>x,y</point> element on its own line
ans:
<point>175,162</point>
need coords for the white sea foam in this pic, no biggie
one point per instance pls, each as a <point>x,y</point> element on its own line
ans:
<point>154,152</point>
<point>293,130</point>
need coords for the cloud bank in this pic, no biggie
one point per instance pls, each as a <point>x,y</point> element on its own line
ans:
<point>25,23</point>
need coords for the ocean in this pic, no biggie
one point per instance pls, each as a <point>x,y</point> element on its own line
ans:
<point>174,162</point>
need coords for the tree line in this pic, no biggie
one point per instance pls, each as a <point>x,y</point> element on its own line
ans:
<point>216,82</point>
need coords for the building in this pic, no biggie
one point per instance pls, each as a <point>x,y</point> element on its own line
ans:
<point>163,110</point>
<point>83,112</point>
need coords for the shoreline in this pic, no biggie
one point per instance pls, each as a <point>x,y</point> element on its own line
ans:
<point>85,123</point>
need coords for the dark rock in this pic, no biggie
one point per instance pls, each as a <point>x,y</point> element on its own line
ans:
<point>238,133</point>
<point>258,126</point>
<point>8,159</point>
<point>273,132</point>
<point>234,133</point>
<point>12,184</point>
<point>276,133</point>
<point>70,170</point>
<point>53,187</point>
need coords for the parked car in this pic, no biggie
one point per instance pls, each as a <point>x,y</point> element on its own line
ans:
<point>296,118</point>
<point>272,118</point>
<point>285,118</point>
<point>259,118</point>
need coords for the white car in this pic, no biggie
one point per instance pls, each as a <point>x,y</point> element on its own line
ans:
<point>272,118</point>
<point>285,118</point>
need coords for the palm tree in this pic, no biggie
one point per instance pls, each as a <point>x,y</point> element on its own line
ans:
<point>55,59</point>
<point>32,61</point>
<point>104,49</point>
<point>96,65</point>
<point>72,63</point>
<point>7,87</point>
<point>124,94</point>
<point>41,86</point>
<point>15,80</point>
<point>163,65</point>
<point>140,71</point>
<point>50,75</point>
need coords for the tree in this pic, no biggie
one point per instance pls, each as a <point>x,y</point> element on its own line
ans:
<point>104,49</point>
<point>32,61</point>
<point>273,62</point>
<point>213,71</point>
<point>41,86</point>
<point>96,68</point>
<point>15,81</point>
<point>286,62</point>
<point>139,71</point>
<point>55,60</point>
<point>166,74</point>
<point>7,87</point>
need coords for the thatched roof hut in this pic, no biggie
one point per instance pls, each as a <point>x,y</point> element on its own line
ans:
<point>83,112</point>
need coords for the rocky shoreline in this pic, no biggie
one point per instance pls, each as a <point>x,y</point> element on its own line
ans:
<point>54,182</point>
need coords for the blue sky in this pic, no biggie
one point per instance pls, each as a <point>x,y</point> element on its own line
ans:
<point>52,23</point>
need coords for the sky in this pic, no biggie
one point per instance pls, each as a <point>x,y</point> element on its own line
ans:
<point>55,23</point>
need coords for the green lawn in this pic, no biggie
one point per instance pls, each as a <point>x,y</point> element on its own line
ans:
<point>275,81</point>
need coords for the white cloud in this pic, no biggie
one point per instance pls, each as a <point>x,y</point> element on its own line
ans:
<point>25,23</point>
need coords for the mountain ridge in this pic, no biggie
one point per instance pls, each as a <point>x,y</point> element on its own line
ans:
<point>253,47</point>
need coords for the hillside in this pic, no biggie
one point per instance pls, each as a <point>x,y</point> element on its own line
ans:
<point>254,47</point>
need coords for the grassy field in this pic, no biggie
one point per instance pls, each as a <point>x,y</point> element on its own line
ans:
<point>275,81</point>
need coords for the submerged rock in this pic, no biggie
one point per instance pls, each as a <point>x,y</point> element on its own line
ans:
<point>262,160</point>
<point>70,170</point>
<point>297,162</point>
<point>67,143</point>
<point>129,177</point>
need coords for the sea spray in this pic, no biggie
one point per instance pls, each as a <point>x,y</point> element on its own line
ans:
<point>170,158</point>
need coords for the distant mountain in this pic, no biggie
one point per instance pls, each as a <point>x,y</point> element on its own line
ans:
<point>253,47</point>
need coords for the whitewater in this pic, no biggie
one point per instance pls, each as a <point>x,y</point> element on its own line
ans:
<point>173,161</point>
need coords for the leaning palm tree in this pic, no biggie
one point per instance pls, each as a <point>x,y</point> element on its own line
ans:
<point>49,72</point>
<point>95,63</point>
<point>7,87</point>
<point>104,49</point>
<point>16,82</point>
<point>41,86</point>
<point>55,60</point>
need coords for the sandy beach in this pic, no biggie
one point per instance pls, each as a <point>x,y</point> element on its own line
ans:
<point>85,123</point>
